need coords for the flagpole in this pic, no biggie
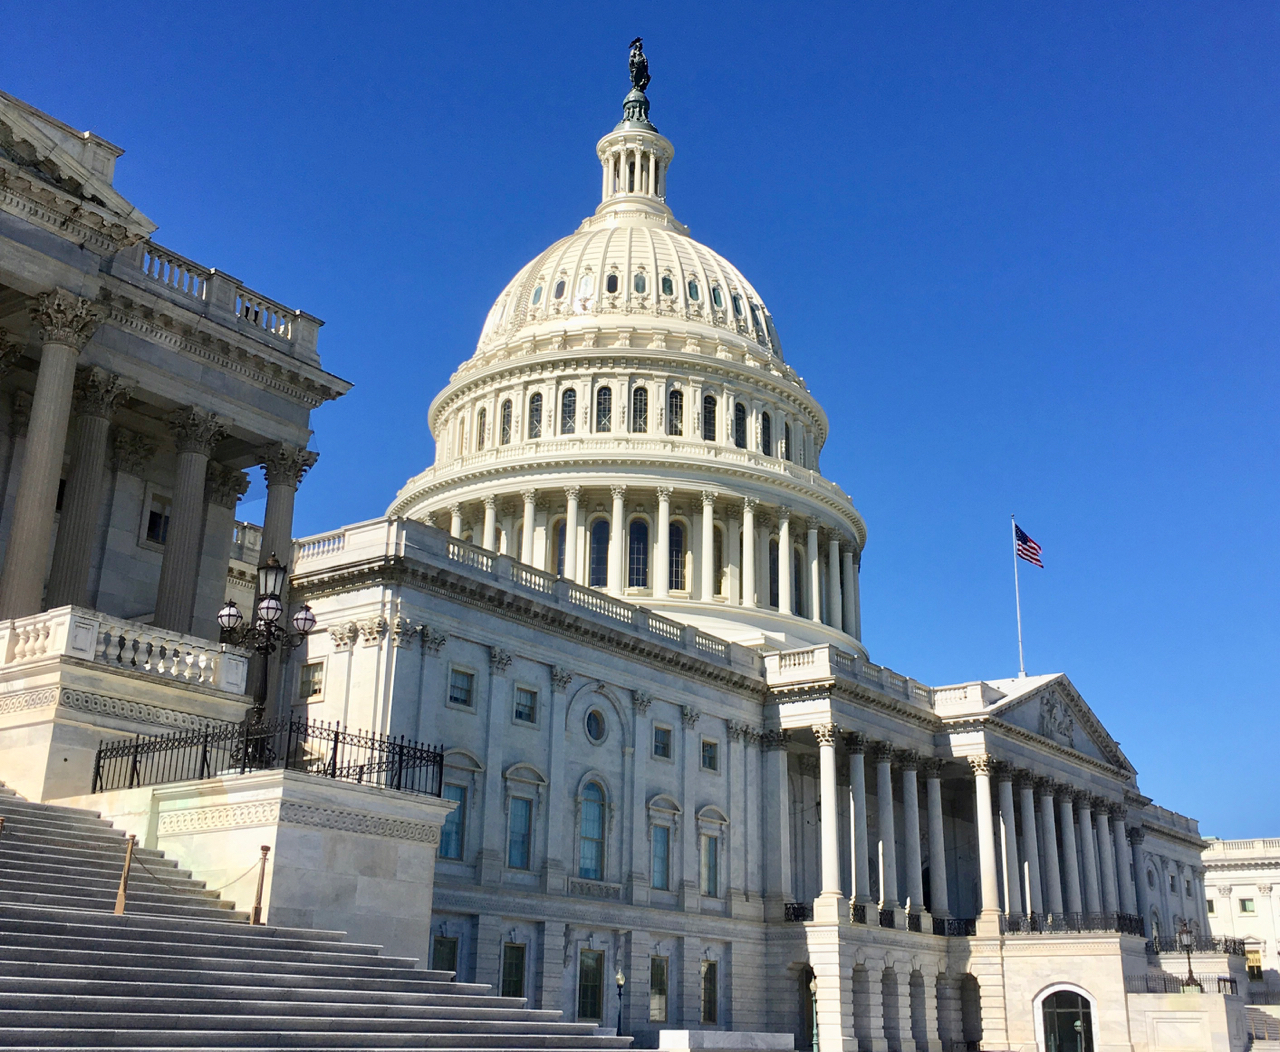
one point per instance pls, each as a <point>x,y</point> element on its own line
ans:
<point>1017,597</point>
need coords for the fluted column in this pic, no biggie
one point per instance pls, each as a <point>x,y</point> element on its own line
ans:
<point>883,755</point>
<point>826,735</point>
<point>455,521</point>
<point>530,499</point>
<point>1052,868</point>
<point>815,575</point>
<point>988,885</point>
<point>66,322</point>
<point>617,578</point>
<point>911,832</point>
<point>785,571</point>
<point>1070,861</point>
<point>489,536</point>
<point>1009,844</point>
<point>1142,894</point>
<point>856,745</point>
<point>749,551</point>
<point>196,433</point>
<point>571,532</point>
<point>850,594</point>
<point>1128,898</point>
<point>708,562</point>
<point>835,602</point>
<point>937,842</point>
<point>1107,861</point>
<point>1088,852</point>
<point>777,814</point>
<point>1030,845</point>
<point>97,393</point>
<point>662,571</point>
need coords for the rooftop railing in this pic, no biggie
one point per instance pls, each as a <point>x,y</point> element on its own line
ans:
<point>1051,923</point>
<point>1165,983</point>
<point>826,661</point>
<point>1200,944</point>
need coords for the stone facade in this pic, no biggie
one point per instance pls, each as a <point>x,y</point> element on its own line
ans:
<point>1240,879</point>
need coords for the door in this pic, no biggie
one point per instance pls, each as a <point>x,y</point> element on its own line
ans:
<point>1068,1023</point>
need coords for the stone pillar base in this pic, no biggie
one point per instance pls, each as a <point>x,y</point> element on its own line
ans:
<point>831,908</point>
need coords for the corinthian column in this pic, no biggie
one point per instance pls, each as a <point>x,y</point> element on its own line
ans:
<point>850,593</point>
<point>530,499</point>
<point>1088,852</point>
<point>1009,843</point>
<point>571,532</point>
<point>662,545</point>
<point>97,394</point>
<point>749,551</point>
<point>858,817</point>
<point>1106,860</point>
<point>937,842</point>
<point>617,576</point>
<point>815,573</point>
<point>888,838</point>
<point>830,817</point>
<point>990,893</point>
<point>835,603</point>
<point>911,831</point>
<point>1070,862</point>
<point>1052,870</point>
<point>784,560</point>
<point>1128,893</point>
<point>1030,846</point>
<point>66,322</point>
<point>196,433</point>
<point>708,560</point>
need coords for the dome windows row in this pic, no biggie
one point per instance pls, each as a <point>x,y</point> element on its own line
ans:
<point>713,416</point>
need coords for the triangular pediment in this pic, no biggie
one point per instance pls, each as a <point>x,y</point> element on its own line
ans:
<point>1055,711</point>
<point>73,165</point>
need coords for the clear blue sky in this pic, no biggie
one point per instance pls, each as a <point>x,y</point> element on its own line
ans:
<point>1025,254</point>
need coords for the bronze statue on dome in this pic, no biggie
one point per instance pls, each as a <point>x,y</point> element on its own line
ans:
<point>639,65</point>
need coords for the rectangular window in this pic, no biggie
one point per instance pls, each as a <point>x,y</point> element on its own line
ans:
<point>1253,965</point>
<point>513,969</point>
<point>1246,905</point>
<point>1188,886</point>
<point>526,705</point>
<point>711,866</point>
<point>158,519</point>
<point>444,954</point>
<point>455,825</point>
<point>462,687</point>
<point>662,742</point>
<point>1208,907</point>
<point>710,756</point>
<point>311,683</point>
<point>590,984</point>
<point>1173,883</point>
<point>520,833</point>
<point>709,992</point>
<point>657,989</point>
<point>661,858</point>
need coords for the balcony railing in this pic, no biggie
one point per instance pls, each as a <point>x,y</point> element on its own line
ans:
<point>797,912</point>
<point>1165,983</point>
<point>1200,944</point>
<point>886,919</point>
<point>858,912</point>
<point>955,927</point>
<point>1049,923</point>
<point>292,744</point>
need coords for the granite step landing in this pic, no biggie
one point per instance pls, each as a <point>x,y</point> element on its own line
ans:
<point>142,888</point>
<point>38,867</point>
<point>77,1037</point>
<point>143,902</point>
<point>220,930</point>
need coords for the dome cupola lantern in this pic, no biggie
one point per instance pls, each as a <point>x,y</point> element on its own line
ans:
<point>634,157</point>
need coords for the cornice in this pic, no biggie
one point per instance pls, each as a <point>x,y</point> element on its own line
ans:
<point>819,689</point>
<point>487,596</point>
<point>62,213</point>
<point>959,725</point>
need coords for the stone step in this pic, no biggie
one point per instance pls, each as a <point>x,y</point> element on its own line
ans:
<point>22,811</point>
<point>21,803</point>
<point>142,887</point>
<point>16,840</point>
<point>169,1036</point>
<point>58,866</point>
<point>144,903</point>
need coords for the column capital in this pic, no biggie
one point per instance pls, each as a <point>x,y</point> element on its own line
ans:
<point>855,742</point>
<point>65,318</point>
<point>689,715</point>
<point>224,486</point>
<point>196,431</point>
<point>784,514</point>
<point>1083,799</point>
<point>983,764</point>
<point>561,677</point>
<point>618,492</point>
<point>737,731</point>
<point>1024,780</point>
<point>284,465</point>
<point>489,501</point>
<point>529,495</point>
<point>1045,786</point>
<point>932,767</point>
<point>132,451</point>
<point>1004,772</point>
<point>455,508</point>
<point>775,740</point>
<point>826,733</point>
<point>908,759</point>
<point>1136,835</point>
<point>571,492</point>
<point>709,497</point>
<point>11,352</point>
<point>664,494</point>
<point>749,504</point>
<point>98,392</point>
<point>882,752</point>
<point>499,659</point>
<point>1116,811</point>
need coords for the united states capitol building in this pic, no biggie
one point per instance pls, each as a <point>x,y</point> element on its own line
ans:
<point>626,600</point>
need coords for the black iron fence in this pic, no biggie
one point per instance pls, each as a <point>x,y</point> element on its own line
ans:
<point>886,918</point>
<point>1165,983</point>
<point>956,927</point>
<point>1035,923</point>
<point>858,912</point>
<point>797,912</point>
<point>1200,944</point>
<point>294,744</point>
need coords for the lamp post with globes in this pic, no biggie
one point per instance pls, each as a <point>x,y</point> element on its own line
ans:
<point>621,980</point>
<point>813,1007</point>
<point>1186,942</point>
<point>265,633</point>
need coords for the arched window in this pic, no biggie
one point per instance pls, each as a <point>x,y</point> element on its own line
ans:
<point>611,283</point>
<point>708,418</point>
<point>560,289</point>
<point>505,436</point>
<point>568,411</point>
<point>599,561</point>
<point>740,425</point>
<point>586,284</point>
<point>604,409</point>
<point>640,409</point>
<point>717,562</point>
<point>766,435</point>
<point>675,411</point>
<point>717,297</point>
<point>560,534</point>
<point>668,289</point>
<point>591,833</point>
<point>694,291</point>
<point>773,572</point>
<point>675,576</point>
<point>737,305</point>
<point>537,295</point>
<point>638,554</point>
<point>1068,1022</point>
<point>535,416</point>
<point>786,441</point>
<point>639,284</point>
<point>480,422</point>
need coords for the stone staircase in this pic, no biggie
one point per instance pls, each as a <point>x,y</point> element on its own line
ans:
<point>1264,1028</point>
<point>182,969</point>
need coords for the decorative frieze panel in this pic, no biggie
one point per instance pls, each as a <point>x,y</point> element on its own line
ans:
<point>289,812</point>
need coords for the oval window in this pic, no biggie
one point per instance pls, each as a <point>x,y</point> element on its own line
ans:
<point>639,283</point>
<point>537,295</point>
<point>596,728</point>
<point>716,298</point>
<point>560,289</point>
<point>737,305</point>
<point>585,284</point>
<point>693,290</point>
<point>668,289</point>
<point>611,283</point>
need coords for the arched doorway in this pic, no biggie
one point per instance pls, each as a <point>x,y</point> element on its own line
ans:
<point>804,1039</point>
<point>1068,1022</point>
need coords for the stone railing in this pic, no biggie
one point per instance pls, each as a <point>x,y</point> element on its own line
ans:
<point>174,271</point>
<point>71,632</point>
<point>827,662</point>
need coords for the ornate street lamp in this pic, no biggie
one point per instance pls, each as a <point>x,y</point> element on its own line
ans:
<point>265,633</point>
<point>813,1001</point>
<point>621,980</point>
<point>1186,942</point>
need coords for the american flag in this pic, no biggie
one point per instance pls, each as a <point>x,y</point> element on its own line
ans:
<point>1027,548</point>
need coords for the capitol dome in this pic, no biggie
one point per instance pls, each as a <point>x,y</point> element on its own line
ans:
<point>627,422</point>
